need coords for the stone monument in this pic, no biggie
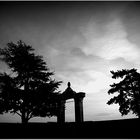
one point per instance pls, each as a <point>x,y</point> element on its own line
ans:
<point>78,102</point>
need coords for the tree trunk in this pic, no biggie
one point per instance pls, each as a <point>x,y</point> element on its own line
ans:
<point>24,119</point>
<point>24,116</point>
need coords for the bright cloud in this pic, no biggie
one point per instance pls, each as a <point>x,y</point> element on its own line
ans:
<point>89,81</point>
<point>111,43</point>
<point>101,81</point>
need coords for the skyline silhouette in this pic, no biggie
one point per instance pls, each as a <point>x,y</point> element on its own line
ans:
<point>81,42</point>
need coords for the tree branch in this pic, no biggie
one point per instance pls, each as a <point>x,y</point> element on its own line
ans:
<point>30,116</point>
<point>18,113</point>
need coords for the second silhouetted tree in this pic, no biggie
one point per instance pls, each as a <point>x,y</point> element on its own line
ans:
<point>28,90</point>
<point>128,90</point>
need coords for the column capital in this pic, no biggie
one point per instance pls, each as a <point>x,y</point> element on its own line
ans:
<point>80,95</point>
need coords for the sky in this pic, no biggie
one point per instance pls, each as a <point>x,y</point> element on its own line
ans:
<point>81,42</point>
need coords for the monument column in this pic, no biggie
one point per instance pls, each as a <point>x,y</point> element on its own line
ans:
<point>79,107</point>
<point>78,99</point>
<point>61,112</point>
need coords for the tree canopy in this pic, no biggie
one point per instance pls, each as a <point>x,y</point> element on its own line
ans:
<point>128,90</point>
<point>28,90</point>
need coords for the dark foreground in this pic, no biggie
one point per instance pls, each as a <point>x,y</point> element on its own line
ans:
<point>103,129</point>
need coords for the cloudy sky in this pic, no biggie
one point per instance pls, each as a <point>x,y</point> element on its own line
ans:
<point>81,42</point>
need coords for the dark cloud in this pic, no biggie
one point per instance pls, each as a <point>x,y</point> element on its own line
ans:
<point>131,21</point>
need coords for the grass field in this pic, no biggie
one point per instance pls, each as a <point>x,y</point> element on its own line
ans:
<point>128,128</point>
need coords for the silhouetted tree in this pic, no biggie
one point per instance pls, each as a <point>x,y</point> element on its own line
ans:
<point>129,91</point>
<point>28,90</point>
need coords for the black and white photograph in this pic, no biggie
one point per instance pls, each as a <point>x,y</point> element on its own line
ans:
<point>69,69</point>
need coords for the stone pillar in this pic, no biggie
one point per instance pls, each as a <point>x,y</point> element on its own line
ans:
<point>61,112</point>
<point>79,107</point>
